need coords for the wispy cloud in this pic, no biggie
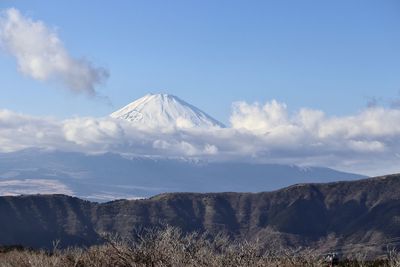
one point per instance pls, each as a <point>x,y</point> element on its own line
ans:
<point>41,55</point>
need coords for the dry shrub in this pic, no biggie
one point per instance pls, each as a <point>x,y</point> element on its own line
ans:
<point>170,247</point>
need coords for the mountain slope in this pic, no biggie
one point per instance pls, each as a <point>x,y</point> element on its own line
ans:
<point>333,216</point>
<point>164,111</point>
<point>110,176</point>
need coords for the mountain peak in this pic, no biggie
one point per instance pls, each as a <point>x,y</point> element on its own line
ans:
<point>165,110</point>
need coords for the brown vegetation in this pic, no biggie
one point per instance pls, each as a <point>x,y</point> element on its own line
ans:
<point>170,247</point>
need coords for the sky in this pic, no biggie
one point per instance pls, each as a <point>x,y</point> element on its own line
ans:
<point>337,56</point>
<point>297,82</point>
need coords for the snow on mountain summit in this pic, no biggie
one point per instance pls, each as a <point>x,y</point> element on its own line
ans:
<point>164,110</point>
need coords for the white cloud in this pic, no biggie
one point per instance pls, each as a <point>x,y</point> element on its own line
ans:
<point>367,146</point>
<point>89,131</point>
<point>260,119</point>
<point>210,149</point>
<point>356,142</point>
<point>273,119</point>
<point>41,55</point>
<point>367,142</point>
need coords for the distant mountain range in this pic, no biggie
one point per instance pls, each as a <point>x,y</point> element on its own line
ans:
<point>108,176</point>
<point>111,176</point>
<point>340,216</point>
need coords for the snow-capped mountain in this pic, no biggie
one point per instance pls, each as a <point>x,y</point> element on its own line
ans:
<point>164,110</point>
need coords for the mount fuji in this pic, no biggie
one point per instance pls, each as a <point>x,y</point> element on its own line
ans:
<point>109,176</point>
<point>164,110</point>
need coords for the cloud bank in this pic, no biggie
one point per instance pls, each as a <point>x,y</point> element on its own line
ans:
<point>41,55</point>
<point>367,142</point>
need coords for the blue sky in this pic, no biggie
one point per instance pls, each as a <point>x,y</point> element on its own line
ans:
<point>334,56</point>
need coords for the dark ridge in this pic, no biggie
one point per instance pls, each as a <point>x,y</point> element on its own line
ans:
<point>324,216</point>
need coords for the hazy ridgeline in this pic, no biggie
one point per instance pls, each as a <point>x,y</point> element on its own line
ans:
<point>170,247</point>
